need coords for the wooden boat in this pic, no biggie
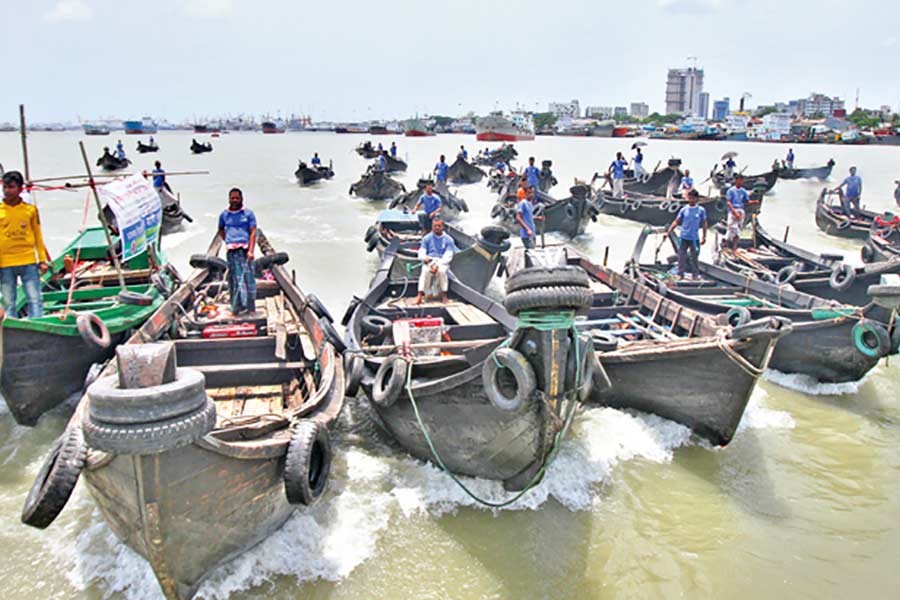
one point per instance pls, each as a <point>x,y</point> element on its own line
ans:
<point>307,174</point>
<point>822,275</point>
<point>46,360</point>
<point>145,148</point>
<point>462,172</point>
<point>452,206</point>
<point>489,158</point>
<point>198,148</point>
<point>474,265</point>
<point>453,375</point>
<point>830,342</point>
<point>759,184</point>
<point>658,355</point>
<point>393,164</point>
<point>109,162</point>
<point>655,210</point>
<point>568,216</point>
<point>366,150</point>
<point>661,182</point>
<point>833,220</point>
<point>821,173</point>
<point>375,184</point>
<point>191,491</point>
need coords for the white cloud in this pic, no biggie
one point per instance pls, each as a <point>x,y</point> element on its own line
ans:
<point>208,9</point>
<point>689,6</point>
<point>69,10</point>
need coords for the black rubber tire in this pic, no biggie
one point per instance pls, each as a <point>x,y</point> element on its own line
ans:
<point>494,234</point>
<point>536,277</point>
<point>267,261</point>
<point>605,342</point>
<point>210,263</point>
<point>867,253</point>
<point>508,359</point>
<point>570,297</point>
<point>372,230</point>
<point>151,438</point>
<point>664,205</point>
<point>86,323</point>
<point>134,298</point>
<point>600,201</point>
<point>307,463</point>
<point>108,403</point>
<point>373,243</point>
<point>331,335</point>
<point>375,324</point>
<point>56,480</point>
<point>842,277</point>
<point>895,338</point>
<point>737,316</point>
<point>880,337</point>
<point>786,275</point>
<point>843,225</point>
<point>635,203</point>
<point>674,206</point>
<point>354,368</point>
<point>318,308</point>
<point>496,210</point>
<point>492,247</point>
<point>764,326</point>
<point>389,381</point>
<point>160,285</point>
<point>571,211</point>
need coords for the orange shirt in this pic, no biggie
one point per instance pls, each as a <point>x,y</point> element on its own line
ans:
<point>21,240</point>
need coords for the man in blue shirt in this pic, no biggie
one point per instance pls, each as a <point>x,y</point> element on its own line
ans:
<point>431,206</point>
<point>729,168</point>
<point>639,172</point>
<point>316,161</point>
<point>532,173</point>
<point>440,173</point>
<point>237,227</point>
<point>500,167</point>
<point>120,150</point>
<point>380,148</point>
<point>393,150</point>
<point>789,162</point>
<point>736,198</point>
<point>436,251</point>
<point>690,218</point>
<point>159,176</point>
<point>525,218</point>
<point>462,153</point>
<point>687,184</point>
<point>617,170</point>
<point>850,198</point>
<point>381,161</point>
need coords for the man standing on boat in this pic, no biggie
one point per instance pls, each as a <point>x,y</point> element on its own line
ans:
<point>381,161</point>
<point>789,161</point>
<point>729,167</point>
<point>525,219</point>
<point>436,251</point>
<point>316,161</point>
<point>639,172</point>
<point>463,154</point>
<point>850,198</point>
<point>393,150</point>
<point>22,251</point>
<point>120,150</point>
<point>440,173</point>
<point>687,184</point>
<point>690,218</point>
<point>532,173</point>
<point>159,177</point>
<point>237,227</point>
<point>736,197</point>
<point>617,170</point>
<point>431,207</point>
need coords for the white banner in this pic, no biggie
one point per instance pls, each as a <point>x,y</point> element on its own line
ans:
<point>138,212</point>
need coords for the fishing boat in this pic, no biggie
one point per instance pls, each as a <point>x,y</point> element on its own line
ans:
<point>452,206</point>
<point>760,184</point>
<point>568,216</point>
<point>400,233</point>
<point>416,128</point>
<point>882,246</point>
<point>462,172</point>
<point>832,218</point>
<point>367,150</point>
<point>307,174</point>
<point>653,350</point>
<point>655,210</point>
<point>110,162</point>
<point>463,384</point>
<point>821,173</point>
<point>489,158</point>
<point>273,127</point>
<point>209,429</point>
<point>86,314</point>
<point>661,182</point>
<point>498,128</point>
<point>95,128</point>
<point>375,184</point>
<point>392,164</point>
<point>829,342</point>
<point>145,148</point>
<point>822,275</point>
<point>198,148</point>
<point>145,126</point>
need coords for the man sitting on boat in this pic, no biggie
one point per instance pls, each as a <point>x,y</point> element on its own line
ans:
<point>431,208</point>
<point>159,178</point>
<point>850,198</point>
<point>736,197</point>
<point>316,161</point>
<point>237,227</point>
<point>22,251</point>
<point>381,162</point>
<point>436,251</point>
<point>690,218</point>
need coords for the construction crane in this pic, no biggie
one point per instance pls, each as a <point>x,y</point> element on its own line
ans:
<point>694,59</point>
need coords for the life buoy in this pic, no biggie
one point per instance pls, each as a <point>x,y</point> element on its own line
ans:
<point>93,330</point>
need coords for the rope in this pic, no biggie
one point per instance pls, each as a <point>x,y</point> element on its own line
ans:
<point>560,318</point>
<point>65,312</point>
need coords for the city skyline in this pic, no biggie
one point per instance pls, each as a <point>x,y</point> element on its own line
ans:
<point>356,61</point>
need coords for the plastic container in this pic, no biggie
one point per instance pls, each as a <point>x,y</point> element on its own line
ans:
<point>425,331</point>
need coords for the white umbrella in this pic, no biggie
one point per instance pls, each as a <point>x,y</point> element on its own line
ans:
<point>728,155</point>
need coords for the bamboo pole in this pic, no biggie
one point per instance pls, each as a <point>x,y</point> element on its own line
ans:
<point>109,242</point>
<point>114,175</point>
<point>24,142</point>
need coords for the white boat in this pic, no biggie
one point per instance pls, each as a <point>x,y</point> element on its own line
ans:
<point>498,128</point>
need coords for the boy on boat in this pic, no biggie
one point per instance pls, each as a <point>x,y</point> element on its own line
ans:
<point>531,173</point>
<point>436,251</point>
<point>431,208</point>
<point>690,218</point>
<point>440,173</point>
<point>22,252</point>
<point>463,154</point>
<point>617,170</point>
<point>237,227</point>
<point>736,197</point>
<point>850,198</point>
<point>525,218</point>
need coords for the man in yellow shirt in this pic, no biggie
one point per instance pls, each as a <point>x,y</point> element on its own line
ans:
<point>22,252</point>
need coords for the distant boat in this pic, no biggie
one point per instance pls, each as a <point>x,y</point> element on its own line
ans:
<point>416,128</point>
<point>272,127</point>
<point>497,128</point>
<point>378,130</point>
<point>95,129</point>
<point>145,126</point>
<point>201,128</point>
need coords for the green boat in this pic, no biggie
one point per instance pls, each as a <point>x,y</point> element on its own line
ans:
<point>46,360</point>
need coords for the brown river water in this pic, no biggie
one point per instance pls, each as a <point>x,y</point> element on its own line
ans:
<point>804,503</point>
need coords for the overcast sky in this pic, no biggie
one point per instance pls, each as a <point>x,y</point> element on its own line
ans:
<point>351,60</point>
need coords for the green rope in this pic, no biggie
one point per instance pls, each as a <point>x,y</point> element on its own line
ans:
<point>560,318</point>
<point>546,320</point>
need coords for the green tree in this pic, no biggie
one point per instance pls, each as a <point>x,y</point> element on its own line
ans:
<point>863,119</point>
<point>768,110</point>
<point>544,119</point>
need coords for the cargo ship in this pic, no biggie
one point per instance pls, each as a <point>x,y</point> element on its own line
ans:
<point>95,128</point>
<point>272,127</point>
<point>416,128</point>
<point>145,126</point>
<point>498,128</point>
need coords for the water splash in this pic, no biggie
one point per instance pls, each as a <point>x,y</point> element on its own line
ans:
<point>808,385</point>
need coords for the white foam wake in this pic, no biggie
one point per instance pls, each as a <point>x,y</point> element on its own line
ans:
<point>806,384</point>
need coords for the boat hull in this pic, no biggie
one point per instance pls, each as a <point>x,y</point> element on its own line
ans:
<point>498,136</point>
<point>651,213</point>
<point>417,133</point>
